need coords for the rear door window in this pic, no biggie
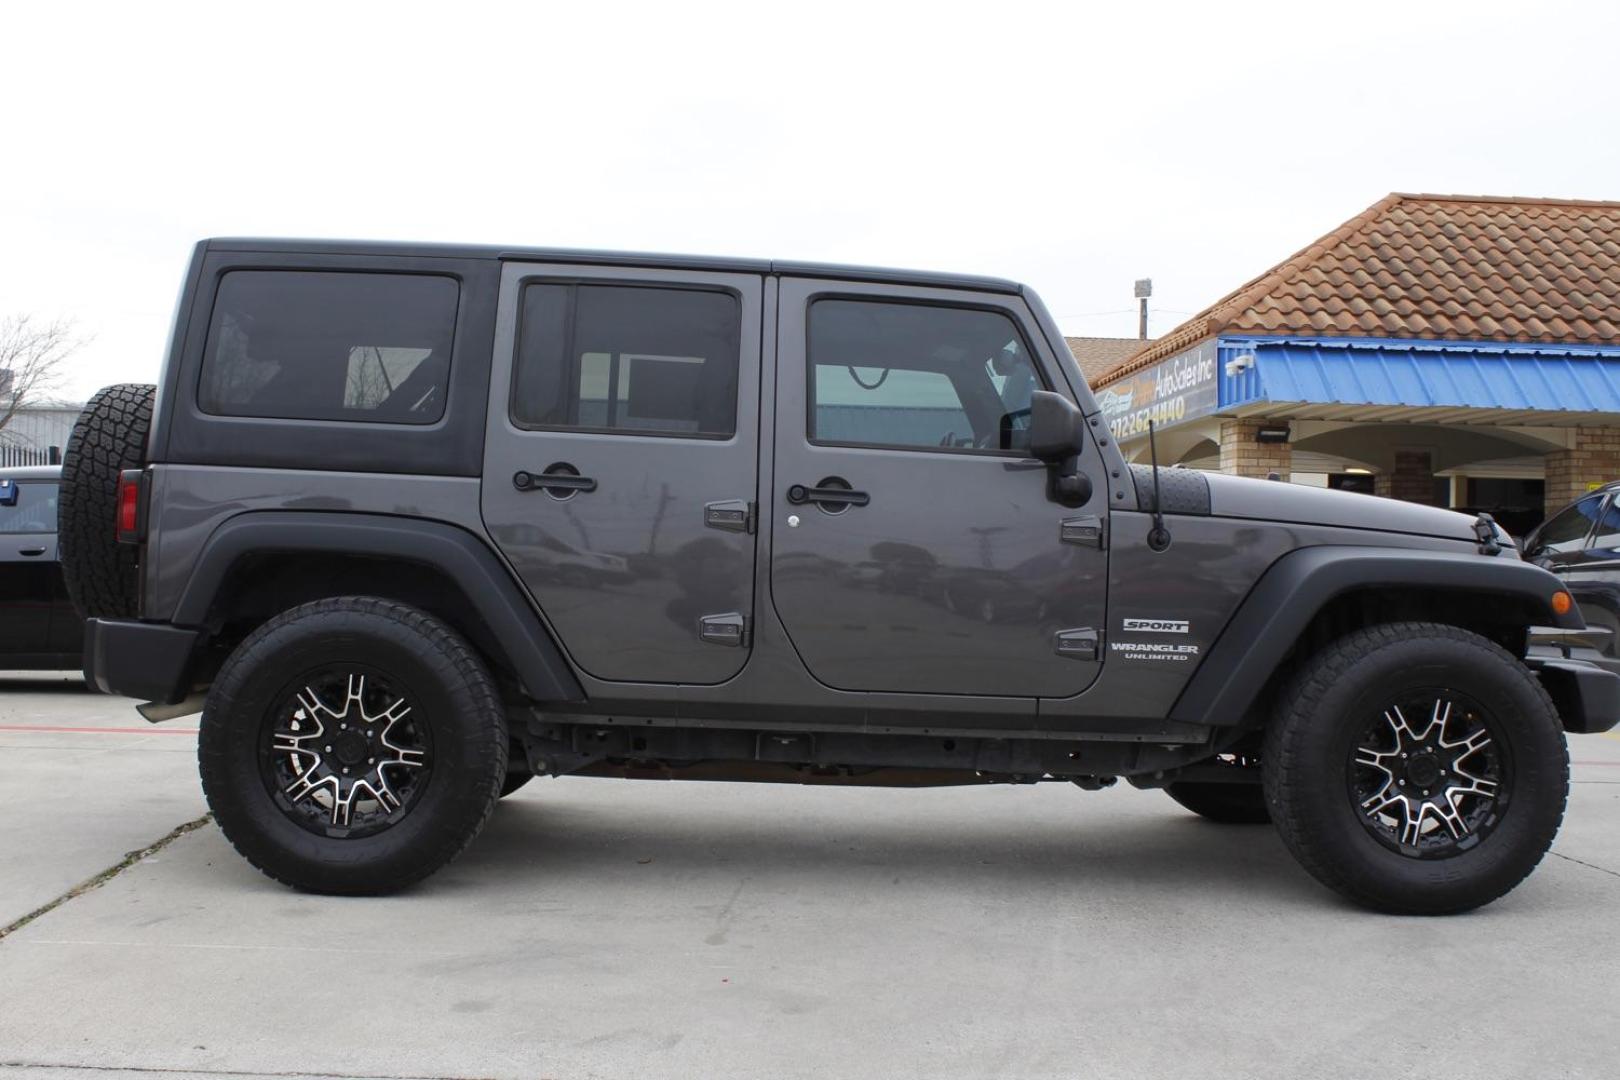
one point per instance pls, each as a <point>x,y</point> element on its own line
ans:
<point>631,360</point>
<point>27,508</point>
<point>318,345</point>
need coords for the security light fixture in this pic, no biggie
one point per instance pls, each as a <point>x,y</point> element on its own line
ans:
<point>1275,433</point>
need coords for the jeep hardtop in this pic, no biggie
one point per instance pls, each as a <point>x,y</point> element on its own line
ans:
<point>412,524</point>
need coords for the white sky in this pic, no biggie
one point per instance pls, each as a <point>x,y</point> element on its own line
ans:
<point>1071,147</point>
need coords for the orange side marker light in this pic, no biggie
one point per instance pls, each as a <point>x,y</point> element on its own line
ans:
<point>1561,603</point>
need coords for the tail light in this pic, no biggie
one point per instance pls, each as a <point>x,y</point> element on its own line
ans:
<point>130,516</point>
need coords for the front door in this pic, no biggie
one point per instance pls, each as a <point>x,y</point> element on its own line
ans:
<point>621,465</point>
<point>915,548</point>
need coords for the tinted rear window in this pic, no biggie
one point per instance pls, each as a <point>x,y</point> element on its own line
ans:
<point>330,346</point>
<point>34,510</point>
<point>632,360</point>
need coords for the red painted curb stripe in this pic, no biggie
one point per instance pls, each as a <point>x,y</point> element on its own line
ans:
<point>47,728</point>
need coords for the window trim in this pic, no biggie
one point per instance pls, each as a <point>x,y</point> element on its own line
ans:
<point>574,284</point>
<point>359,417</point>
<point>1041,376</point>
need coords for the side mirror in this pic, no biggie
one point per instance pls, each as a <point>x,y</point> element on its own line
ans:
<point>1057,434</point>
<point>1056,427</point>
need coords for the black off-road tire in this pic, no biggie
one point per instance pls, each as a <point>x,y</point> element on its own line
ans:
<point>450,691</point>
<point>1228,804</point>
<point>109,437</point>
<point>1311,742</point>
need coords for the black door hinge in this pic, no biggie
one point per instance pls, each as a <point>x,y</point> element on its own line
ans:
<point>731,628</point>
<point>732,515</point>
<point>1088,531</point>
<point>1080,644</point>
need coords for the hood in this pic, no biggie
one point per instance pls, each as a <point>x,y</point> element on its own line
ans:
<point>1269,500</point>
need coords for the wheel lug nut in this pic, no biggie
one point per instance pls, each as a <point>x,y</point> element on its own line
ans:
<point>1403,783</point>
<point>328,749</point>
<point>345,772</point>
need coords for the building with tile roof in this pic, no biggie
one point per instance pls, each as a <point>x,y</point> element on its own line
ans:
<point>1457,350</point>
<point>1097,356</point>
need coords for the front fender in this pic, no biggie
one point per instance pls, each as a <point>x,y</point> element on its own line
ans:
<point>1300,584</point>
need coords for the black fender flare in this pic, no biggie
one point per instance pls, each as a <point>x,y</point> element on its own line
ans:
<point>1297,586</point>
<point>514,624</point>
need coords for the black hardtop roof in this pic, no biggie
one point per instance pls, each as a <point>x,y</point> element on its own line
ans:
<point>651,260</point>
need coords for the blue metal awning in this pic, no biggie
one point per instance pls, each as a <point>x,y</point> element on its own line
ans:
<point>1420,374</point>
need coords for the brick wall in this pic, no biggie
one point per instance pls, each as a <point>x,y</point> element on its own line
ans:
<point>1241,455</point>
<point>1594,460</point>
<point>1411,480</point>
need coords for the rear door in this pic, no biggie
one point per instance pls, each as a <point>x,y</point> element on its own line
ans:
<point>621,466</point>
<point>914,547</point>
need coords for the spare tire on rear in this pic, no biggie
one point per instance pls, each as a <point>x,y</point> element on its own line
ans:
<point>109,437</point>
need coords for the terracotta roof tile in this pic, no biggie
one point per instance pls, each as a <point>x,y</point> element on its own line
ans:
<point>1455,267</point>
<point>1098,355</point>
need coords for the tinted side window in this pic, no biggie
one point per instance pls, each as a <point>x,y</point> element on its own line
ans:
<point>913,375</point>
<point>34,510</point>
<point>1568,530</point>
<point>330,346</point>
<point>1608,527</point>
<point>628,359</point>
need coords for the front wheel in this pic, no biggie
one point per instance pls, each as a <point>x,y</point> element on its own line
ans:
<point>352,745</point>
<point>1416,768</point>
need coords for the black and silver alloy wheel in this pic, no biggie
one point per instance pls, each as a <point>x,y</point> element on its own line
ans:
<point>345,756</point>
<point>1416,768</point>
<point>353,745</point>
<point>1429,777</point>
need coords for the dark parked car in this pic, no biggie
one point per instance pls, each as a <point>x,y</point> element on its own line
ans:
<point>1581,544</point>
<point>39,630</point>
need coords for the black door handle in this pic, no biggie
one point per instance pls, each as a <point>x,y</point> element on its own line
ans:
<point>825,494</point>
<point>560,480</point>
<point>30,551</point>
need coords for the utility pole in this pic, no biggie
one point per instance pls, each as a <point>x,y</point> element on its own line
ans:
<point>1144,289</point>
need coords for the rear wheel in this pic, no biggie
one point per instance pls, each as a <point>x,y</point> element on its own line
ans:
<point>109,437</point>
<point>1417,768</point>
<point>352,745</point>
<point>1228,804</point>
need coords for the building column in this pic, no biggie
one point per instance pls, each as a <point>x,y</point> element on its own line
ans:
<point>1594,459</point>
<point>1411,480</point>
<point>1243,455</point>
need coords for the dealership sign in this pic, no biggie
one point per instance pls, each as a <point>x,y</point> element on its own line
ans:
<point>1181,388</point>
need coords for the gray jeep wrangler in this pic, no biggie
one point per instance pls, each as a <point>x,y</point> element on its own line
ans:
<point>413,524</point>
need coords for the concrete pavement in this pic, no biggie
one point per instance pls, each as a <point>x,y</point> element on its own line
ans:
<point>605,928</point>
